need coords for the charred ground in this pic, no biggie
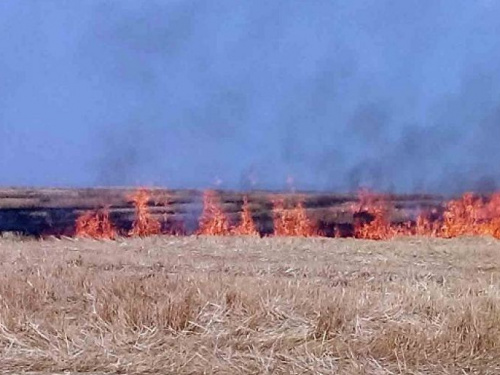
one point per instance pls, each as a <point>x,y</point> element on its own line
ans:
<point>41,212</point>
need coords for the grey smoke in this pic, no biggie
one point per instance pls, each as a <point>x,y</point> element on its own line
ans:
<point>391,95</point>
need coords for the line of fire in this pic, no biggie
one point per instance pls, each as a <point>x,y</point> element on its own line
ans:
<point>150,212</point>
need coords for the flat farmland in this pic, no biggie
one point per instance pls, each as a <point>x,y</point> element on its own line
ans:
<point>226,305</point>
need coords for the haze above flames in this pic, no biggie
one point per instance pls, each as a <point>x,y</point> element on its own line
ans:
<point>394,96</point>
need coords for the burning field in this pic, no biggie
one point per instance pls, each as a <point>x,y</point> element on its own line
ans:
<point>147,281</point>
<point>112,213</point>
<point>372,218</point>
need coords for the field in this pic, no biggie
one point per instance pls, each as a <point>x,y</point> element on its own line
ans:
<point>41,212</point>
<point>234,305</point>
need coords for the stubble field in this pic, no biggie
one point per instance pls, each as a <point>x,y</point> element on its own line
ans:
<point>234,305</point>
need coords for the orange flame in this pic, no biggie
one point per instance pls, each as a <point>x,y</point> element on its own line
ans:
<point>469,215</point>
<point>292,222</point>
<point>493,207</point>
<point>247,225</point>
<point>95,225</point>
<point>425,227</point>
<point>492,211</point>
<point>144,224</point>
<point>462,216</point>
<point>379,228</point>
<point>213,221</point>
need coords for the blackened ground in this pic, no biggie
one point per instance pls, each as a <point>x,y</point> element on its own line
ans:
<point>40,212</point>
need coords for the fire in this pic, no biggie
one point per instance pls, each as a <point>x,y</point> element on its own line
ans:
<point>462,216</point>
<point>213,221</point>
<point>144,224</point>
<point>247,225</point>
<point>425,227</point>
<point>492,210</point>
<point>95,225</point>
<point>374,207</point>
<point>491,228</point>
<point>493,207</point>
<point>292,222</point>
<point>467,216</point>
<point>470,215</point>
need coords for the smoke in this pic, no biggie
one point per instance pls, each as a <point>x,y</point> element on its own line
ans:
<point>391,95</point>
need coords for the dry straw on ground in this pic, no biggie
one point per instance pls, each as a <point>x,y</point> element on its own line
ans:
<point>250,306</point>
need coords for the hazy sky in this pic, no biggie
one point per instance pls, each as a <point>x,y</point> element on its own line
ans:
<point>393,95</point>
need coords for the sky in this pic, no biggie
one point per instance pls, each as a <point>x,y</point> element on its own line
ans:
<point>400,96</point>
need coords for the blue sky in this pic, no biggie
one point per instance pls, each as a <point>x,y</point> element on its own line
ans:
<point>393,95</point>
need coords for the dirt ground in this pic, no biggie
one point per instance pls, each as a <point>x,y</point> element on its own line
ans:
<point>230,305</point>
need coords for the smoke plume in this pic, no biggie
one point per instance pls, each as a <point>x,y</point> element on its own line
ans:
<point>390,95</point>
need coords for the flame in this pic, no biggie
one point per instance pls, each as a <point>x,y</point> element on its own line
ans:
<point>466,216</point>
<point>213,221</point>
<point>492,211</point>
<point>292,222</point>
<point>470,215</point>
<point>247,225</point>
<point>95,225</point>
<point>491,228</point>
<point>461,216</point>
<point>492,208</point>
<point>425,227</point>
<point>379,228</point>
<point>144,224</point>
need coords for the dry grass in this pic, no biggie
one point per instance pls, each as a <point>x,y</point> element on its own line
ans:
<point>250,306</point>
